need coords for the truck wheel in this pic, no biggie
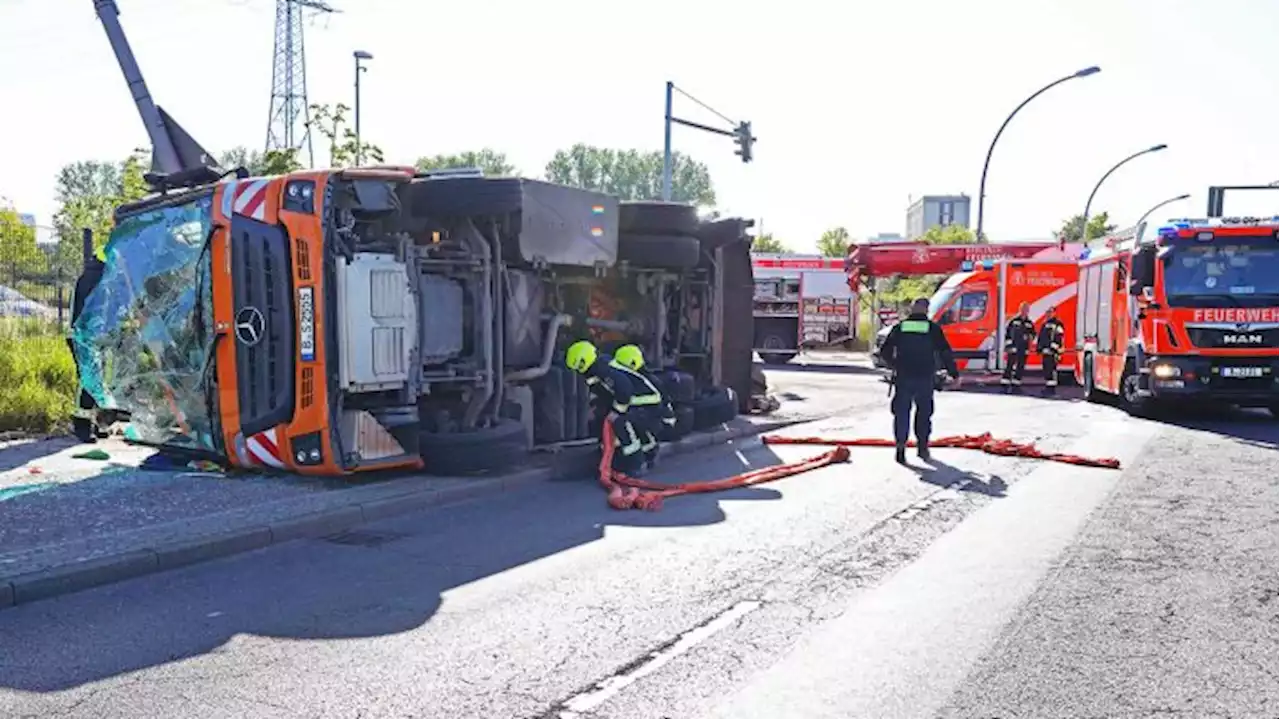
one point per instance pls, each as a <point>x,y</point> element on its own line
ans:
<point>474,451</point>
<point>658,218</point>
<point>677,386</point>
<point>665,252</point>
<point>1091,392</point>
<point>684,424</point>
<point>1133,403</point>
<point>714,408</point>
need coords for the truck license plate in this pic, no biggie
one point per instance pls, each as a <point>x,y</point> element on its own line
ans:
<point>306,324</point>
<point>1242,372</point>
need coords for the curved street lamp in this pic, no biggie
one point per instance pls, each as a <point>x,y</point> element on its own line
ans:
<point>1147,214</point>
<point>982,186</point>
<point>1084,224</point>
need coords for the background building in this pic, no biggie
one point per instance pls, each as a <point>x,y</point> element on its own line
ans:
<point>885,237</point>
<point>936,211</point>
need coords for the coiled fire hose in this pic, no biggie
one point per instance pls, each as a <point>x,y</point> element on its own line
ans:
<point>983,442</point>
<point>632,493</point>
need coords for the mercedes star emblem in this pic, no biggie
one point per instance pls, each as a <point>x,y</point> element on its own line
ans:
<point>250,326</point>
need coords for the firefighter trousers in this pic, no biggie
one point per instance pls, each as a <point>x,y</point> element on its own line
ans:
<point>1049,363</point>
<point>911,392</point>
<point>1015,363</point>
<point>628,454</point>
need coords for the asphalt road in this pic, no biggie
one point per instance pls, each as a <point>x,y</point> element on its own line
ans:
<point>979,587</point>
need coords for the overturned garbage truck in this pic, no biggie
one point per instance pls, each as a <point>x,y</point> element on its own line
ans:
<point>339,321</point>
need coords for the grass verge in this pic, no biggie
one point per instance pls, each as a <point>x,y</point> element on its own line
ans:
<point>37,377</point>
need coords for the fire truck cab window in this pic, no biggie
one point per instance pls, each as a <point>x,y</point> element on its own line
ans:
<point>1242,272</point>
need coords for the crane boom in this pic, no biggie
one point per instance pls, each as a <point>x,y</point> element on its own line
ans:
<point>173,151</point>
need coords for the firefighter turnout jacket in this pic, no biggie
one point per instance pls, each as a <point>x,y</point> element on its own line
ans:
<point>914,347</point>
<point>1018,334</point>
<point>1049,340</point>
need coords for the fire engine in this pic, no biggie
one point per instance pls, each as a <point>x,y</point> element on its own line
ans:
<point>1184,311</point>
<point>801,302</point>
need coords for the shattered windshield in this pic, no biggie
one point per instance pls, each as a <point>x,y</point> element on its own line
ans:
<point>144,339</point>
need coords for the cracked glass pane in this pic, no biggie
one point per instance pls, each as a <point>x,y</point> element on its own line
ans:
<point>144,340</point>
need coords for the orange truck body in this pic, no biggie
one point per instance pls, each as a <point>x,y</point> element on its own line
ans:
<point>1187,311</point>
<point>973,307</point>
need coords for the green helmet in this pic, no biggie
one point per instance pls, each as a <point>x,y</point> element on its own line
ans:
<point>580,356</point>
<point>630,356</point>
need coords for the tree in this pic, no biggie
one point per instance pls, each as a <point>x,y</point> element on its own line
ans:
<point>1099,226</point>
<point>948,235</point>
<point>631,174</point>
<point>834,243</point>
<point>261,164</point>
<point>768,243</point>
<point>19,253</point>
<point>331,123</point>
<point>491,162</point>
<point>88,193</point>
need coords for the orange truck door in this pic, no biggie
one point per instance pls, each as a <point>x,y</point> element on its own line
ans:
<point>1042,285</point>
<point>968,321</point>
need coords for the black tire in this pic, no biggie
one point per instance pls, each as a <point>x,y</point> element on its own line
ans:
<point>1136,406</point>
<point>778,358</point>
<point>714,408</point>
<point>84,430</point>
<point>478,451</point>
<point>665,252</point>
<point>549,415</point>
<point>684,424</point>
<point>465,197</point>
<point>1091,391</point>
<point>658,218</point>
<point>677,387</point>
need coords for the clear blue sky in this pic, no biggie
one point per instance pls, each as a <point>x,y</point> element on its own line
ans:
<point>858,105</point>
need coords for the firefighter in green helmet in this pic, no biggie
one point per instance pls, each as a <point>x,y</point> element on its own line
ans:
<point>652,417</point>
<point>618,391</point>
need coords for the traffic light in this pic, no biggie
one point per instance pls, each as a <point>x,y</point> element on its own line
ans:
<point>743,137</point>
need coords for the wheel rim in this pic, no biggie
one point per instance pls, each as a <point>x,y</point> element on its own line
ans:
<point>1131,389</point>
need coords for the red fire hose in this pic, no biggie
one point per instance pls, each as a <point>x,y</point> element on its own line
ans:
<point>631,493</point>
<point>983,442</point>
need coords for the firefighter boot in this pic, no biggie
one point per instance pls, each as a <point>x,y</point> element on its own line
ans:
<point>900,454</point>
<point>922,451</point>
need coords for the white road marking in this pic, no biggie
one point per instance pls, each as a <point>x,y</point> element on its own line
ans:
<point>579,704</point>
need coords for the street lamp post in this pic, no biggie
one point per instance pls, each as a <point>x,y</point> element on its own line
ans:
<point>982,186</point>
<point>1084,223</point>
<point>1147,214</point>
<point>359,55</point>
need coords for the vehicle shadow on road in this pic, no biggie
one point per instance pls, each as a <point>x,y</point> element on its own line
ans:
<point>935,471</point>
<point>18,453</point>
<point>1252,427</point>
<point>378,579</point>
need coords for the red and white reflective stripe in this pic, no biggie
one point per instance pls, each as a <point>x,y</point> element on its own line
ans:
<point>263,449</point>
<point>251,198</point>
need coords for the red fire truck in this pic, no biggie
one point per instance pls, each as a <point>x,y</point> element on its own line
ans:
<point>801,302</point>
<point>1184,311</point>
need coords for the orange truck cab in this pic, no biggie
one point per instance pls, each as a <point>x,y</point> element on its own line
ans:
<point>1185,311</point>
<point>974,306</point>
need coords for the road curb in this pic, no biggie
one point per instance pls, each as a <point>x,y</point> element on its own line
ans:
<point>368,504</point>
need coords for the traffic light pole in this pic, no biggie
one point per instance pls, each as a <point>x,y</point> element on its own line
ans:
<point>741,134</point>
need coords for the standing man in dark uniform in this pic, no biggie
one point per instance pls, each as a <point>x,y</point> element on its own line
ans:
<point>1017,343</point>
<point>912,350</point>
<point>1049,345</point>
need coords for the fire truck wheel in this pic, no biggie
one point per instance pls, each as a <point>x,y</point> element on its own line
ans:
<point>715,407</point>
<point>658,218</point>
<point>473,452</point>
<point>1133,403</point>
<point>666,252</point>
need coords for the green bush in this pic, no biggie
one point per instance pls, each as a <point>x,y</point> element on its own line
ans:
<point>38,377</point>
